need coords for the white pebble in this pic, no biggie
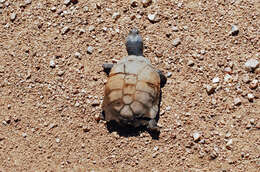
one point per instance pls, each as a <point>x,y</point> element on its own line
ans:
<point>251,65</point>
<point>176,42</point>
<point>77,55</point>
<point>250,97</point>
<point>90,50</point>
<point>196,136</point>
<point>237,101</point>
<point>52,63</point>
<point>13,16</point>
<point>215,80</point>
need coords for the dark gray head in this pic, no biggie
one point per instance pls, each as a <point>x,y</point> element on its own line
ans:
<point>134,43</point>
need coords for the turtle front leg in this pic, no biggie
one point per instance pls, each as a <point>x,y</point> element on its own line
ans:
<point>107,67</point>
<point>163,78</point>
<point>152,126</point>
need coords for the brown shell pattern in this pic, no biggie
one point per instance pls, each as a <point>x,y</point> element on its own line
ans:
<point>132,90</point>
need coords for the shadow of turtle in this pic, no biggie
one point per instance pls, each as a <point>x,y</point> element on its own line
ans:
<point>130,131</point>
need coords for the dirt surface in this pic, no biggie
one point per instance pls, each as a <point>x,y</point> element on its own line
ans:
<point>51,85</point>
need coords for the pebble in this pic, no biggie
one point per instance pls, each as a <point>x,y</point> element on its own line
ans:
<point>175,29</point>
<point>57,140</point>
<point>250,97</point>
<point>234,30</point>
<point>85,9</point>
<point>64,30</point>
<point>146,3</point>
<point>91,28</point>
<point>227,78</point>
<point>60,73</point>
<point>85,129</point>
<point>237,101</point>
<point>52,63</point>
<point>169,74</point>
<point>24,135</point>
<point>27,2</point>
<point>245,78</point>
<point>77,104</point>
<point>78,55</point>
<point>153,17</point>
<point>95,103</point>
<point>90,50</point>
<point>12,16</point>
<point>228,135</point>
<point>66,2</point>
<point>252,121</point>
<point>53,9</point>
<point>251,65</point>
<point>168,108</point>
<point>176,42</point>
<point>115,15</point>
<point>253,84</point>
<point>228,70</point>
<point>196,136</point>
<point>134,3</point>
<point>229,144</point>
<point>215,80</point>
<point>210,89</point>
<point>190,63</point>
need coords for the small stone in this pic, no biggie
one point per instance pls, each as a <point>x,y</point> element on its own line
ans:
<point>252,121</point>
<point>27,2</point>
<point>250,97</point>
<point>85,129</point>
<point>213,154</point>
<point>227,78</point>
<point>190,63</point>
<point>155,154</point>
<point>90,50</point>
<point>215,80</point>
<point>134,3</point>
<point>237,101</point>
<point>85,9</point>
<point>77,104</point>
<point>52,63</point>
<point>245,78</point>
<point>57,140</point>
<point>210,89</point>
<point>13,16</point>
<point>97,117</point>
<point>78,55</point>
<point>168,108</point>
<point>228,70</point>
<point>24,135</point>
<point>251,65</point>
<point>66,2</point>
<point>146,3</point>
<point>176,42</point>
<point>228,135</point>
<point>153,17</point>
<point>53,9</point>
<point>9,106</point>
<point>169,74</point>
<point>229,144</point>
<point>196,136</point>
<point>91,28</point>
<point>253,84</point>
<point>175,29</point>
<point>60,73</point>
<point>115,134</point>
<point>64,30</point>
<point>95,103</point>
<point>115,15</point>
<point>234,30</point>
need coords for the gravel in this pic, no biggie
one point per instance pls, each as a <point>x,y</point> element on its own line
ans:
<point>90,50</point>
<point>176,42</point>
<point>234,30</point>
<point>12,16</point>
<point>251,65</point>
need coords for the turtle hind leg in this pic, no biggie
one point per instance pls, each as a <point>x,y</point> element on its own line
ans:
<point>163,78</point>
<point>107,67</point>
<point>152,126</point>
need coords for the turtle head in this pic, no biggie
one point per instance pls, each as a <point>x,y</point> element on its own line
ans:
<point>134,43</point>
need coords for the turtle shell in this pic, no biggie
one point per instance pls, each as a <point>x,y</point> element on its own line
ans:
<point>132,92</point>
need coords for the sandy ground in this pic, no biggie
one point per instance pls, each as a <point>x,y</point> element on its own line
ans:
<point>51,85</point>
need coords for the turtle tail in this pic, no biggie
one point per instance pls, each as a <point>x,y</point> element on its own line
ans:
<point>134,43</point>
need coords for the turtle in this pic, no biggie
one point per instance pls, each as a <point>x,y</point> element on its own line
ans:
<point>133,89</point>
